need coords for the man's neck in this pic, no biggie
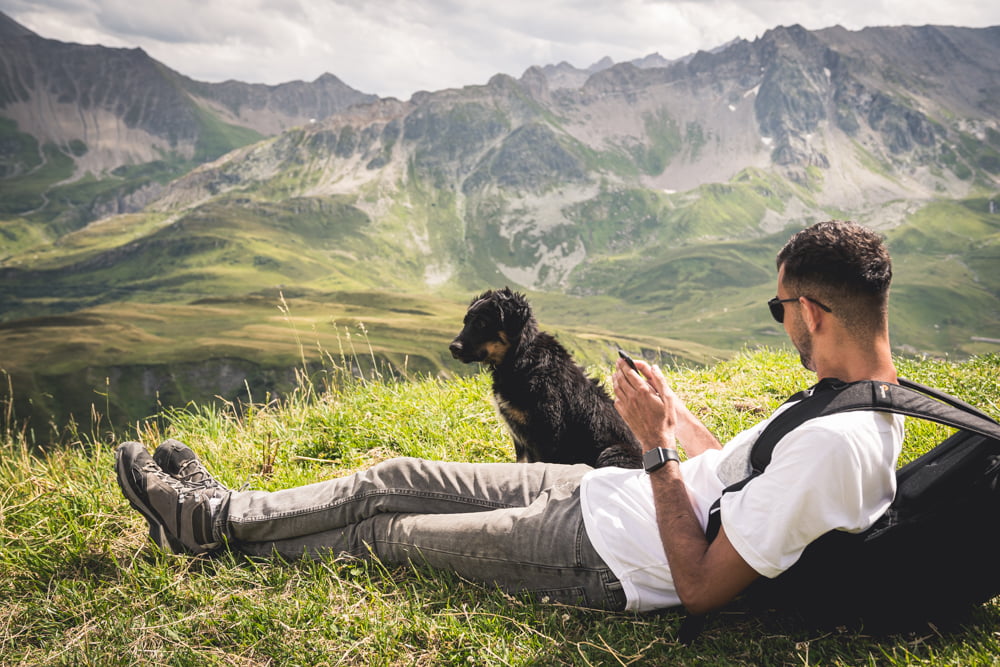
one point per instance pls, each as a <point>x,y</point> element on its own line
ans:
<point>852,361</point>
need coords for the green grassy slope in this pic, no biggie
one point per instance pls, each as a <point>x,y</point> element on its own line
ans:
<point>41,183</point>
<point>82,585</point>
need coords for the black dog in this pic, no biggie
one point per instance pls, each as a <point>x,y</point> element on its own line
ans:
<point>555,413</point>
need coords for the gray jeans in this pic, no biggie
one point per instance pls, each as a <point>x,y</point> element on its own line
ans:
<point>516,525</point>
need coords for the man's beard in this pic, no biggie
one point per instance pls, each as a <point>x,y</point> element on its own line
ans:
<point>802,340</point>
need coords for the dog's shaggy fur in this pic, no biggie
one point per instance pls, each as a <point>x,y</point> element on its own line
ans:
<point>555,413</point>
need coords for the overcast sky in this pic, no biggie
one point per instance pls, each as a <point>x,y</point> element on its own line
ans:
<point>397,47</point>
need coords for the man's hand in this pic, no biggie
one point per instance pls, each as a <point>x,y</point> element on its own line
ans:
<point>657,416</point>
<point>706,576</point>
<point>646,403</point>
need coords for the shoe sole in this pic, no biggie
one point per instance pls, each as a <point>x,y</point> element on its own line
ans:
<point>157,533</point>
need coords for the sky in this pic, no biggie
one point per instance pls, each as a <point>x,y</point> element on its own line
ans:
<point>398,47</point>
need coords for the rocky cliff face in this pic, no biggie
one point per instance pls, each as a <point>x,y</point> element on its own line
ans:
<point>121,104</point>
<point>273,109</point>
<point>101,109</point>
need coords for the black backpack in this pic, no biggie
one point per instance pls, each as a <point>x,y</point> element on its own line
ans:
<point>933,554</point>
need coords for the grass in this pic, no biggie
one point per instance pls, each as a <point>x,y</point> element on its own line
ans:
<point>26,191</point>
<point>216,137</point>
<point>150,344</point>
<point>80,584</point>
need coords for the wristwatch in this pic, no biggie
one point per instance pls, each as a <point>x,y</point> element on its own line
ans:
<point>655,459</point>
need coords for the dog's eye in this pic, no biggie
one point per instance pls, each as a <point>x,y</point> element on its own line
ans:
<point>480,324</point>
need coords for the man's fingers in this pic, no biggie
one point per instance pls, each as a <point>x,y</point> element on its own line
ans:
<point>648,377</point>
<point>625,376</point>
<point>654,377</point>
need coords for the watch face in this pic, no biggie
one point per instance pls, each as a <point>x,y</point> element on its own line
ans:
<point>655,459</point>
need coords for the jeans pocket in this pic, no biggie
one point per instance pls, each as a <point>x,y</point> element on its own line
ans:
<point>614,594</point>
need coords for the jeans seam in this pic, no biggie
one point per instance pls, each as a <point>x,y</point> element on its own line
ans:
<point>464,500</point>
<point>496,559</point>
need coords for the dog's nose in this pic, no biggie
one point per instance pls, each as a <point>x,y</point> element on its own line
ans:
<point>456,348</point>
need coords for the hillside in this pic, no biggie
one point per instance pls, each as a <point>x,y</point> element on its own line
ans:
<point>641,207</point>
<point>89,131</point>
<point>83,586</point>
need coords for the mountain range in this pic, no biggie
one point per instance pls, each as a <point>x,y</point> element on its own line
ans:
<point>163,239</point>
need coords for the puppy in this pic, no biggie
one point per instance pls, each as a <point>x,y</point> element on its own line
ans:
<point>555,413</point>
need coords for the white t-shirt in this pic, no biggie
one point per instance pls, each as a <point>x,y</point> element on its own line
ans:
<point>831,473</point>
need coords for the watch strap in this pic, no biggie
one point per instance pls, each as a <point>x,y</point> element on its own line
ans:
<point>656,458</point>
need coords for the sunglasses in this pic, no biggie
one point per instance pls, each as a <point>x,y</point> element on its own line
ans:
<point>778,308</point>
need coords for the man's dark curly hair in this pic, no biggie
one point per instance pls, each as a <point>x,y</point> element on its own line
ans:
<point>844,265</point>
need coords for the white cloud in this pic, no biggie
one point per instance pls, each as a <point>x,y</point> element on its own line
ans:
<point>396,47</point>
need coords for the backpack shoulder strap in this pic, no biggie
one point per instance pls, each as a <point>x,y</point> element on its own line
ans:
<point>831,396</point>
<point>943,397</point>
<point>906,398</point>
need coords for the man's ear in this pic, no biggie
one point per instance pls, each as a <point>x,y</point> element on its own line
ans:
<point>812,314</point>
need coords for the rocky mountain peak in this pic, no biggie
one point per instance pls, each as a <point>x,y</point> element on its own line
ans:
<point>651,60</point>
<point>535,81</point>
<point>601,65</point>
<point>11,29</point>
<point>328,79</point>
<point>562,76</point>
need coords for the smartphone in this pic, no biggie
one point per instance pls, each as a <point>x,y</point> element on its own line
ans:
<point>628,360</point>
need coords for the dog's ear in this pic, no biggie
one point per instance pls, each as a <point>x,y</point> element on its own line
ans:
<point>518,320</point>
<point>485,296</point>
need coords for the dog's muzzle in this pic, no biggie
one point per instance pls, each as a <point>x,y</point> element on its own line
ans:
<point>459,352</point>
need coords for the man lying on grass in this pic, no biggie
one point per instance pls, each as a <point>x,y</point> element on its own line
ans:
<point>609,538</point>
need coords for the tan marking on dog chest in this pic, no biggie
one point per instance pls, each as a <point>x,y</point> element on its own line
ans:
<point>512,415</point>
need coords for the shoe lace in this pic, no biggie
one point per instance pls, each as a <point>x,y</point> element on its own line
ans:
<point>194,475</point>
<point>150,467</point>
<point>183,487</point>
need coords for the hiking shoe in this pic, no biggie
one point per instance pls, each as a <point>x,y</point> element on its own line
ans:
<point>180,462</point>
<point>181,515</point>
